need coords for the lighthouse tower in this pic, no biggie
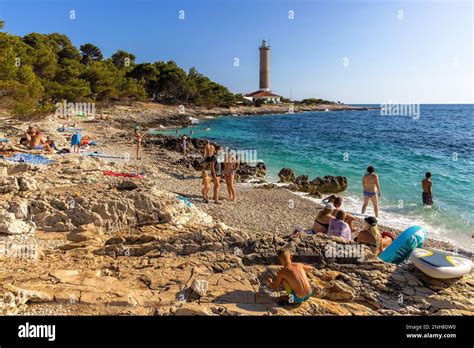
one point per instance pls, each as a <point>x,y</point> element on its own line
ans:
<point>264,94</point>
<point>264,49</point>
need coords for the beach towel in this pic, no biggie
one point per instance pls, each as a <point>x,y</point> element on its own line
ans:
<point>185,200</point>
<point>4,140</point>
<point>30,158</point>
<point>125,175</point>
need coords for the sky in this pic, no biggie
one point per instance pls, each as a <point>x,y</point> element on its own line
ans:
<point>371,51</point>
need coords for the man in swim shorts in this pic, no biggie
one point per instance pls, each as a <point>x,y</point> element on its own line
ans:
<point>371,188</point>
<point>427,195</point>
<point>207,154</point>
<point>293,279</point>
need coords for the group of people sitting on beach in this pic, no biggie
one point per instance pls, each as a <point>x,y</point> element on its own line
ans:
<point>333,221</point>
<point>34,140</point>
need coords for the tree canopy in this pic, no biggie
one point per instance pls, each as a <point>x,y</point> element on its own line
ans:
<point>39,70</point>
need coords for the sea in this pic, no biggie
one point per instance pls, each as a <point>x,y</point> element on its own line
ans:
<point>402,145</point>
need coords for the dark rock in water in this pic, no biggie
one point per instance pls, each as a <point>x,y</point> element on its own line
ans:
<point>329,184</point>
<point>287,175</point>
<point>246,171</point>
<point>316,187</point>
<point>302,180</point>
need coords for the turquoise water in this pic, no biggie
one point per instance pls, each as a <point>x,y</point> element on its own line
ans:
<point>401,148</point>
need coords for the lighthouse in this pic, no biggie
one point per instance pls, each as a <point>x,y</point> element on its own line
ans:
<point>264,93</point>
<point>264,66</point>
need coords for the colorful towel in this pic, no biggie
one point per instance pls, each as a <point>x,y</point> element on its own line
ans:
<point>185,200</point>
<point>30,158</point>
<point>125,175</point>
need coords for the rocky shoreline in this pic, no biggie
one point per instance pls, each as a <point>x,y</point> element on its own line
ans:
<point>152,115</point>
<point>78,242</point>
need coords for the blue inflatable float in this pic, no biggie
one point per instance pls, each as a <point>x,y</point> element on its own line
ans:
<point>401,248</point>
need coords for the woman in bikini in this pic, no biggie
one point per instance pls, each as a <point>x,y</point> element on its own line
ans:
<point>324,217</point>
<point>371,188</point>
<point>373,238</point>
<point>230,165</point>
<point>139,137</point>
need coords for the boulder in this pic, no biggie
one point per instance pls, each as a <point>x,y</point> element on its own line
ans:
<point>9,224</point>
<point>200,287</point>
<point>329,184</point>
<point>247,171</point>
<point>27,184</point>
<point>287,175</point>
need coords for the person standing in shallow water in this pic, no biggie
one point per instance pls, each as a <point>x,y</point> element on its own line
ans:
<point>427,195</point>
<point>371,188</point>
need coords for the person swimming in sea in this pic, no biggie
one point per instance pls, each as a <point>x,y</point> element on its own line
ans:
<point>427,185</point>
<point>371,188</point>
<point>293,279</point>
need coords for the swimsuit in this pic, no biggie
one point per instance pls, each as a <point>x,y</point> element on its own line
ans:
<point>297,299</point>
<point>369,193</point>
<point>427,198</point>
<point>324,225</point>
<point>228,171</point>
<point>38,147</point>
<point>217,166</point>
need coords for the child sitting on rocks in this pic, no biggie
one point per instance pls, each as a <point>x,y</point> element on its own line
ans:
<point>293,279</point>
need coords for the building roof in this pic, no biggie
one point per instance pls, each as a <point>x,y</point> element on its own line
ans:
<point>262,94</point>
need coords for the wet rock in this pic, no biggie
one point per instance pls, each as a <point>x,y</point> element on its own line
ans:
<point>329,184</point>
<point>286,175</point>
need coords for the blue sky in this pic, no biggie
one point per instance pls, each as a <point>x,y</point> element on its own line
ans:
<point>424,57</point>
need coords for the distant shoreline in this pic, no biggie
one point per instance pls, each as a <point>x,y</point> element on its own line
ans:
<point>152,115</point>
